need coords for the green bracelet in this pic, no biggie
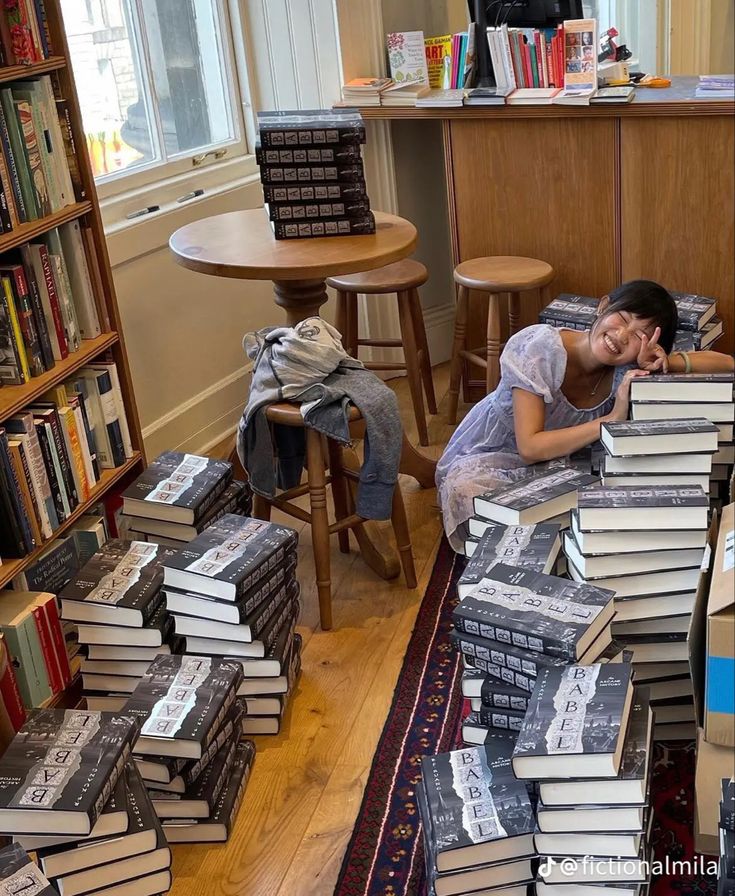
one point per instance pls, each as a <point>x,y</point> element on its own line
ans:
<point>687,361</point>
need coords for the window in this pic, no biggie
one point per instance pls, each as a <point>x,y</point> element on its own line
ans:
<point>637,24</point>
<point>157,86</point>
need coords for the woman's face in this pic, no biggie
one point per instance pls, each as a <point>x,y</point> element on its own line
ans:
<point>615,339</point>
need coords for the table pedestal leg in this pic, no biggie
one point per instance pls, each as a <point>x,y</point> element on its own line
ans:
<point>300,298</point>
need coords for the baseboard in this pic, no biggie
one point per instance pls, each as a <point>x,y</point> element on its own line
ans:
<point>439,325</point>
<point>202,421</point>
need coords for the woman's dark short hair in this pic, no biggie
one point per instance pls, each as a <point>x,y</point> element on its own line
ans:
<point>646,299</point>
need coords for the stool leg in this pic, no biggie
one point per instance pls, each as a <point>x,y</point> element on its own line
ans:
<point>410,350</point>
<point>261,508</point>
<point>340,320</point>
<point>493,343</point>
<point>514,312</point>
<point>424,360</point>
<point>352,328</point>
<point>339,492</point>
<point>403,537</point>
<point>319,525</point>
<point>455,372</point>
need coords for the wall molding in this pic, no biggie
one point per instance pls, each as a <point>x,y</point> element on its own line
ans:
<point>439,324</point>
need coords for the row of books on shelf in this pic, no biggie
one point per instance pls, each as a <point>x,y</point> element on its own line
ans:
<point>54,452</point>
<point>39,172</point>
<point>47,302</point>
<point>24,33</point>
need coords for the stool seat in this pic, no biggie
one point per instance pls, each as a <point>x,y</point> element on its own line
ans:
<point>396,277</point>
<point>289,414</point>
<point>503,273</point>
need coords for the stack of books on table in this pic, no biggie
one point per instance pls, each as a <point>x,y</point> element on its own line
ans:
<point>647,544</point>
<point>179,495</point>
<point>715,87</point>
<point>90,823</point>
<point>683,398</point>
<point>116,602</point>
<point>515,624</point>
<point>726,874</point>
<point>365,91</point>
<point>190,750</point>
<point>586,741</point>
<point>312,173</point>
<point>698,328</point>
<point>478,822</point>
<point>233,593</point>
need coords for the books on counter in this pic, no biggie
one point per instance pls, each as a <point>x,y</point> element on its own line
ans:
<point>631,438</point>
<point>535,499</point>
<point>576,722</point>
<point>441,97</point>
<point>533,611</point>
<point>530,547</point>
<point>364,91</point>
<point>642,508</point>
<point>181,702</point>
<point>60,769</point>
<point>19,874</point>
<point>684,387</point>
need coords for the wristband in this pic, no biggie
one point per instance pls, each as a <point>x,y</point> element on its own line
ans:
<point>687,361</point>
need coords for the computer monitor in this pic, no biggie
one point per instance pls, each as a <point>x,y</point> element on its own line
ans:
<point>528,13</point>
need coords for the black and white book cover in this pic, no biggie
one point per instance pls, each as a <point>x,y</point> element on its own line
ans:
<point>124,575</point>
<point>228,804</point>
<point>571,311</point>
<point>61,768</point>
<point>507,719</point>
<point>644,428</point>
<point>200,797</point>
<point>20,876</point>
<point>693,311</point>
<point>492,693</point>
<point>186,482</point>
<point>533,611</point>
<point>231,724</point>
<point>634,496</point>
<point>727,804</point>
<point>576,710</point>
<point>527,493</point>
<point>530,547</point>
<point>183,698</point>
<point>473,798</point>
<point>310,127</point>
<point>221,560</point>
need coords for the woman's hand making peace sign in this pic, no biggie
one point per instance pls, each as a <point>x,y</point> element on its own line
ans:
<point>651,356</point>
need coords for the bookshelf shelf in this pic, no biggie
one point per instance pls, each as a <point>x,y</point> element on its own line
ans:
<point>16,72</point>
<point>11,567</point>
<point>33,229</point>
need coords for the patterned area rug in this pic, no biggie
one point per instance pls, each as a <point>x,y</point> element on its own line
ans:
<point>385,855</point>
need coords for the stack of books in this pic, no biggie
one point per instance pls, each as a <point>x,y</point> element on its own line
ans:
<point>716,87</point>
<point>682,398</point>
<point>533,547</point>
<point>726,874</point>
<point>18,869</point>
<point>190,750</point>
<point>232,592</point>
<point>312,173</point>
<point>478,822</point>
<point>586,741</point>
<point>365,91</point>
<point>647,544</point>
<point>699,325</point>
<point>179,495</point>
<point>91,823</point>
<point>515,624</point>
<point>116,602</point>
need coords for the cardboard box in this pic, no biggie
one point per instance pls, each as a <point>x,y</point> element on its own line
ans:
<point>719,693</point>
<point>713,764</point>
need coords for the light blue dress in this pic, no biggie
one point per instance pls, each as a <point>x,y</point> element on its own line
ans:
<point>482,454</point>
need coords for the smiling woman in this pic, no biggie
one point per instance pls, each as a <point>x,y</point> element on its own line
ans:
<point>556,389</point>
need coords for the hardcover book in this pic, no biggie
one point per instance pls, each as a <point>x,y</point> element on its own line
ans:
<point>680,387</point>
<point>693,311</point>
<point>489,692</point>
<point>530,547</point>
<point>535,499</point>
<point>120,584</point>
<point>635,437</point>
<point>60,769</point>
<point>477,811</point>
<point>153,634</point>
<point>533,611</point>
<point>230,557</point>
<point>636,507</point>
<point>513,665</point>
<point>576,722</point>
<point>505,719</point>
<point>20,875</point>
<point>181,702</point>
<point>727,804</point>
<point>310,127</point>
<point>177,487</point>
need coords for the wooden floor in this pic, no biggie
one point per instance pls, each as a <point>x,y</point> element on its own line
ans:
<point>307,783</point>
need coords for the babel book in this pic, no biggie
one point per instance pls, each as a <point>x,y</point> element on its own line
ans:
<point>533,611</point>
<point>629,438</point>
<point>576,722</point>
<point>60,769</point>
<point>295,230</point>
<point>347,154</point>
<point>477,812</point>
<point>119,585</point>
<point>181,702</point>
<point>530,547</point>
<point>20,876</point>
<point>177,487</point>
<point>535,499</point>
<point>230,557</point>
<point>309,211</point>
<point>310,193</point>
<point>693,311</point>
<point>310,127</point>
<point>637,507</point>
<point>513,665</point>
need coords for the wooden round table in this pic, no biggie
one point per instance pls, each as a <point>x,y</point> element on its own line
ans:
<point>241,245</point>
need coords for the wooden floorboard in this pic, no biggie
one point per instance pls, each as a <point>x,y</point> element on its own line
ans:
<point>307,782</point>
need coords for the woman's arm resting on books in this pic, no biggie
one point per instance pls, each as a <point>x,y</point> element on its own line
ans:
<point>535,444</point>
<point>701,362</point>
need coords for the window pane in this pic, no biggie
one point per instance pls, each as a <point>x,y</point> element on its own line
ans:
<point>189,74</point>
<point>115,110</point>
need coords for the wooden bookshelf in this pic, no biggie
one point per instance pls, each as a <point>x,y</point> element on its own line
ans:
<point>11,567</point>
<point>35,228</point>
<point>17,72</point>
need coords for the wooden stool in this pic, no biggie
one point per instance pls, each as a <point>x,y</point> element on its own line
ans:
<point>340,478</point>
<point>493,275</point>
<point>403,278</point>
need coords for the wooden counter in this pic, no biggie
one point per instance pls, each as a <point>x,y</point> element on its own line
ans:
<point>603,193</point>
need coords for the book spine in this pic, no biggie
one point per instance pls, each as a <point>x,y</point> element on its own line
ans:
<point>57,639</point>
<point>9,692</point>
<point>35,29</point>
<point>103,323</point>
<point>229,699</point>
<point>16,18</point>
<point>111,368</point>
<point>271,174</point>
<point>27,272</point>
<point>48,280</point>
<point>76,263</point>
<point>34,665</point>
<point>8,217</point>
<point>89,472</point>
<point>47,651</point>
<point>32,152</point>
<point>24,489</point>
<point>67,134</point>
<point>109,416</point>
<point>12,167</point>
<point>64,461</point>
<point>313,136</point>
<point>15,366</point>
<point>44,440</point>
<point>26,318</point>
<point>553,647</point>
<point>29,438</point>
<point>339,227</point>
<point>290,212</point>
<point>74,452</point>
<point>503,719</point>
<point>314,192</point>
<point>63,289</point>
<point>338,155</point>
<point>10,481</point>
<point>43,140</point>
<point>46,42</point>
<point>6,42</point>
<point>78,390</point>
<point>19,154</point>
<point>96,419</point>
<point>39,508</point>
